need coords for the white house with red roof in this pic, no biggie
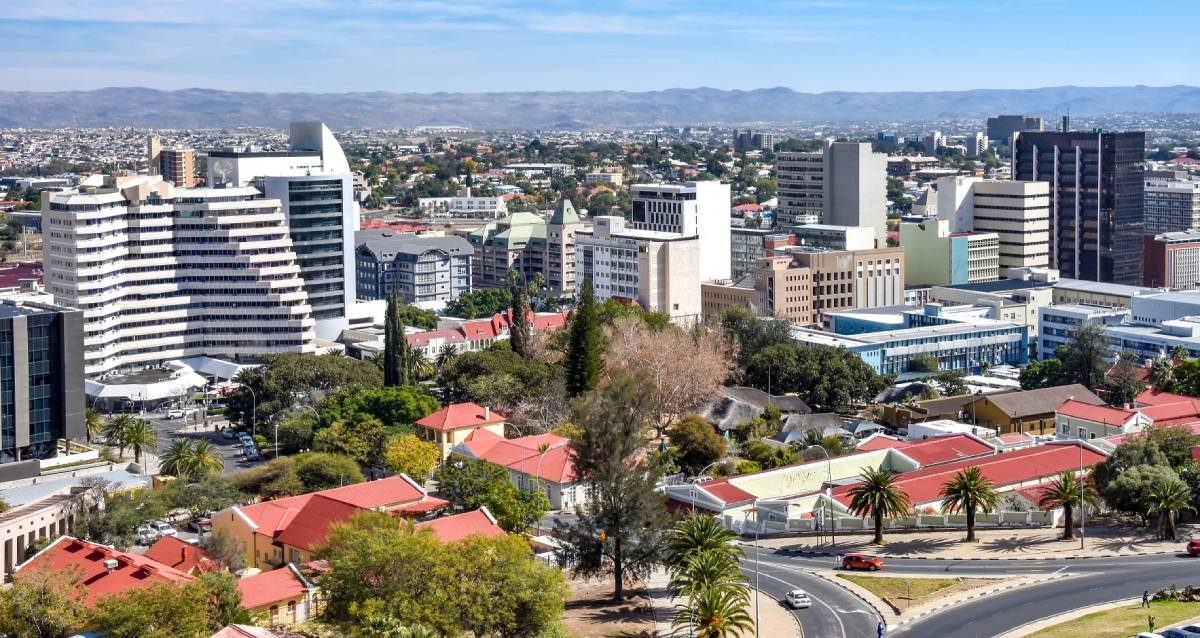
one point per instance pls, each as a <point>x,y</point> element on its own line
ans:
<point>283,595</point>
<point>1075,420</point>
<point>453,424</point>
<point>464,335</point>
<point>540,462</point>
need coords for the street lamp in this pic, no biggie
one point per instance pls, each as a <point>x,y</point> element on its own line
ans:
<point>541,457</point>
<point>757,527</point>
<point>829,494</point>
<point>1082,495</point>
<point>697,478</point>
<point>253,408</point>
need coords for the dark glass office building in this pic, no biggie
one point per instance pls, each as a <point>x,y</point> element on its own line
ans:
<point>1096,200</point>
<point>41,380</point>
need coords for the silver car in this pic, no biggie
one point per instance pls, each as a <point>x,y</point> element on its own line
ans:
<point>798,599</point>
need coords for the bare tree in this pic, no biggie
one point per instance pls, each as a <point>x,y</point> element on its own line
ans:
<point>685,368</point>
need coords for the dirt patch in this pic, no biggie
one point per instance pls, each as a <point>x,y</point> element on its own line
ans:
<point>902,594</point>
<point>592,613</point>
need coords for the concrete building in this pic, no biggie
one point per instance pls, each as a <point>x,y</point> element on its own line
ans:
<point>938,257</point>
<point>748,140</point>
<point>694,209</point>
<point>1017,212</point>
<point>976,144</point>
<point>1172,204</point>
<point>934,142</point>
<point>529,244</point>
<point>424,270</point>
<point>802,285</point>
<point>748,245</point>
<point>162,273</point>
<point>315,189</point>
<point>832,237</point>
<point>463,206</point>
<point>660,270</point>
<point>615,178</point>
<point>1094,293</point>
<point>1150,328</point>
<point>1172,260</point>
<point>855,187</point>
<point>1096,200</point>
<point>1002,127</point>
<point>801,183</point>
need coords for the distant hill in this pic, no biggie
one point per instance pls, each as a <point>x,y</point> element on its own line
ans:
<point>207,108</point>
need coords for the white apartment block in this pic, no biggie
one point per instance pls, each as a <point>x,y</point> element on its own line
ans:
<point>1017,212</point>
<point>694,209</point>
<point>463,206</point>
<point>164,273</point>
<point>976,144</point>
<point>660,270</point>
<point>1171,205</point>
<point>801,182</point>
<point>835,237</point>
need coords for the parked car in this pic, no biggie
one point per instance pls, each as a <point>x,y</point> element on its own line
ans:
<point>174,414</point>
<point>229,434</point>
<point>163,528</point>
<point>1192,628</point>
<point>200,525</point>
<point>862,561</point>
<point>146,535</point>
<point>798,599</point>
<point>1179,633</point>
<point>251,453</point>
<point>1146,634</point>
<point>1193,547</point>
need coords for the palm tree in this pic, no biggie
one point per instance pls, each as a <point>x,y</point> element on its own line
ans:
<point>699,533</point>
<point>378,359</point>
<point>878,496</point>
<point>176,459</point>
<point>445,356</point>
<point>1161,373</point>
<point>191,459</point>
<point>206,459</point>
<point>140,436</point>
<point>93,423</point>
<point>115,431</point>
<point>1167,497</point>
<point>1064,491</point>
<point>970,491</point>
<point>718,613</point>
<point>335,352</point>
<point>419,367</point>
<point>703,571</point>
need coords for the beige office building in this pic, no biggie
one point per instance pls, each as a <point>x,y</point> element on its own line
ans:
<point>1018,213</point>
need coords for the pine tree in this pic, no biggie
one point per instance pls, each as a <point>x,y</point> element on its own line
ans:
<point>396,352</point>
<point>585,344</point>
<point>520,333</point>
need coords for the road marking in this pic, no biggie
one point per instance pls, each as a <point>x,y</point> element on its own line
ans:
<point>832,612</point>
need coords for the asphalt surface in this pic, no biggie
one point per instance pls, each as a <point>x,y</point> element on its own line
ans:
<point>1093,581</point>
<point>171,429</point>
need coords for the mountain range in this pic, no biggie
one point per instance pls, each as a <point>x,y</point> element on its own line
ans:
<point>210,108</point>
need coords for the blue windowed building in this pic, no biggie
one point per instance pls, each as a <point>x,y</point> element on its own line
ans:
<point>427,271</point>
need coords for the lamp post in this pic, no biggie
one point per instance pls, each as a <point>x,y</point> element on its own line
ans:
<point>829,494</point>
<point>1082,495</point>
<point>757,527</point>
<point>541,457</point>
<point>253,408</point>
<point>697,478</point>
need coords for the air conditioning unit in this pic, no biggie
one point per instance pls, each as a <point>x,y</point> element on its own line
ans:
<point>111,564</point>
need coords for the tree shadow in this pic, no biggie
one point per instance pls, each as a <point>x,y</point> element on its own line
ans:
<point>1016,544</point>
<point>910,546</point>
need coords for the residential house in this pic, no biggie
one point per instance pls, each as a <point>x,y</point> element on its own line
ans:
<point>1027,412</point>
<point>104,571</point>
<point>735,405</point>
<point>177,553</point>
<point>1151,409</point>
<point>284,596</point>
<point>456,527</point>
<point>453,424</point>
<point>534,462</point>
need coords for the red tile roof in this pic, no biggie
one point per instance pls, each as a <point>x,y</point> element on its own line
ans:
<point>11,276</point>
<point>309,527</point>
<point>531,455</point>
<point>1008,468</point>
<point>173,552</point>
<point>1157,397</point>
<point>270,587</point>
<point>393,493</point>
<point>1095,413</point>
<point>457,416</point>
<point>880,442</point>
<point>726,492</point>
<point>133,571</point>
<point>943,449</point>
<point>459,526</point>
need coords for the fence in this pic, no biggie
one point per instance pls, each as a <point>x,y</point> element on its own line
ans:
<point>921,521</point>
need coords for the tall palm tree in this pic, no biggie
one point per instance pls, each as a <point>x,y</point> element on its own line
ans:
<point>970,491</point>
<point>878,496</point>
<point>419,367</point>
<point>699,533</point>
<point>176,459</point>
<point>114,432</point>
<point>706,570</point>
<point>445,355</point>
<point>191,459</point>
<point>206,459</point>
<point>1064,491</point>
<point>1167,498</point>
<point>93,423</point>
<point>722,612</point>
<point>140,436</point>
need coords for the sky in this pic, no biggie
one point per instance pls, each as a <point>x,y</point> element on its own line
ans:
<point>426,46</point>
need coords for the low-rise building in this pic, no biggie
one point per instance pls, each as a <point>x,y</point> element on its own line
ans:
<point>454,424</point>
<point>540,462</point>
<point>423,270</point>
<point>1028,412</point>
<point>283,596</point>
<point>1172,260</point>
<point>463,206</point>
<point>940,257</point>
<point>102,570</point>
<point>1151,328</point>
<point>832,237</point>
<point>748,245</point>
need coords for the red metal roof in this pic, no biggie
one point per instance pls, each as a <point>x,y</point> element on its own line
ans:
<point>1095,413</point>
<point>133,571</point>
<point>173,552</point>
<point>457,416</point>
<point>270,587</point>
<point>943,449</point>
<point>459,526</point>
<point>880,442</point>
<point>530,455</point>
<point>311,524</point>
<point>1157,397</point>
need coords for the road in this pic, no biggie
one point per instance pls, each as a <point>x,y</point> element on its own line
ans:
<point>171,429</point>
<point>1094,581</point>
<point>835,612</point>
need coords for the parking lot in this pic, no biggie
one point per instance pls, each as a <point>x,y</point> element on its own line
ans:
<point>193,427</point>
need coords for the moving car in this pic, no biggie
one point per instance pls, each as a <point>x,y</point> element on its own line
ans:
<point>862,561</point>
<point>1193,547</point>
<point>798,599</point>
<point>174,414</point>
<point>163,528</point>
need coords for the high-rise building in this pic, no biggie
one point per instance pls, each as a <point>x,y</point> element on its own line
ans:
<point>694,209</point>
<point>529,244</point>
<point>1172,260</point>
<point>424,270</point>
<point>314,185</point>
<point>560,249</point>
<point>801,184</point>
<point>658,269</point>
<point>1002,127</point>
<point>748,140</point>
<point>976,144</point>
<point>747,245</point>
<point>1172,203</point>
<point>41,373</point>
<point>163,273</point>
<point>1017,212</point>
<point>176,165</point>
<point>846,185</point>
<point>934,142</point>
<point>1096,199</point>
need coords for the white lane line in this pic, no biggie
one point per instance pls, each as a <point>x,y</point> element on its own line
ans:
<point>832,612</point>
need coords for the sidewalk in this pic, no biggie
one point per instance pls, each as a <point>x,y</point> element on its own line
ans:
<point>776,620</point>
<point>1040,543</point>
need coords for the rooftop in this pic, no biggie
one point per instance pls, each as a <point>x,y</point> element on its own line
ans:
<point>174,552</point>
<point>457,416</point>
<point>270,587</point>
<point>132,571</point>
<point>459,526</point>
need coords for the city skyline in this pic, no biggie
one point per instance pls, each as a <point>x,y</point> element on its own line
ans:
<point>431,46</point>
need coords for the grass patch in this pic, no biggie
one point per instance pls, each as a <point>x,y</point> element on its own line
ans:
<point>1122,622</point>
<point>901,593</point>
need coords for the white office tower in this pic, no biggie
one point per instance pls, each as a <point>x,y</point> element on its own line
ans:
<point>1172,202</point>
<point>164,273</point>
<point>658,269</point>
<point>977,144</point>
<point>313,183</point>
<point>855,188</point>
<point>1017,212</point>
<point>698,209</point>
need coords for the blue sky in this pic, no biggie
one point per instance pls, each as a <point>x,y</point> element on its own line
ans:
<point>500,45</point>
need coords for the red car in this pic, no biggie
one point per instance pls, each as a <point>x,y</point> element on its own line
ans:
<point>1193,547</point>
<point>862,561</point>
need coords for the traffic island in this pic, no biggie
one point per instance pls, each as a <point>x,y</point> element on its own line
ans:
<point>904,593</point>
<point>1114,620</point>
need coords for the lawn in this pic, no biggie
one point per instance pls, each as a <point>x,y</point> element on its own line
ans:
<point>901,592</point>
<point>1122,622</point>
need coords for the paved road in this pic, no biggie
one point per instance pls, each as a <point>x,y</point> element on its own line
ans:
<point>171,429</point>
<point>1094,580</point>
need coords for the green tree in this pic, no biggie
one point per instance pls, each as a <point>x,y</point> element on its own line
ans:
<point>520,596</point>
<point>521,332</point>
<point>296,432</point>
<point>43,604</point>
<point>826,378</point>
<point>625,517</point>
<point>139,436</point>
<point>225,550</point>
<point>718,613</point>
<point>115,430</point>
<point>878,496</point>
<point>1128,492</point>
<point>952,383</point>
<point>93,423</point>
<point>396,407</point>
<point>470,484</point>
<point>190,459</point>
<point>1161,373</point>
<point>320,471</point>
<point>1047,373</point>
<point>497,377</point>
<point>584,362</point>
<point>969,491</point>
<point>165,610</point>
<point>697,443</point>
<point>208,494</point>
<point>1069,493</point>
<point>396,351</point>
<point>750,335</point>
<point>1123,383</point>
<point>283,380</point>
<point>359,436</point>
<point>1168,497</point>
<point>274,479</point>
<point>479,303</point>
<point>699,534</point>
<point>924,362</point>
<point>410,455</point>
<point>1087,356</point>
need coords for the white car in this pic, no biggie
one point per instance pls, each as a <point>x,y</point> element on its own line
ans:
<point>175,414</point>
<point>163,528</point>
<point>798,599</point>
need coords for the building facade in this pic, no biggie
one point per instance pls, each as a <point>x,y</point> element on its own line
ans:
<point>801,182</point>
<point>162,273</point>
<point>693,209</point>
<point>855,189</point>
<point>1017,212</point>
<point>1002,127</point>
<point>938,257</point>
<point>529,244</point>
<point>1096,199</point>
<point>1172,205</point>
<point>832,237</point>
<point>424,270</point>
<point>748,245</point>
<point>1172,260</point>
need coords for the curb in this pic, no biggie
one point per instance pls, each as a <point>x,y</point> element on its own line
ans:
<point>879,612</point>
<point>812,554</point>
<point>977,595</point>
<point>1083,611</point>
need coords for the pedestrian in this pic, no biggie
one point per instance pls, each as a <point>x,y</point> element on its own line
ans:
<point>1146,599</point>
<point>1150,619</point>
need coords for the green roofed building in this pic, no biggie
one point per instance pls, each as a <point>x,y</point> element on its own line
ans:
<point>530,244</point>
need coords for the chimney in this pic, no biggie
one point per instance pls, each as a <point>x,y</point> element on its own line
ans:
<point>487,413</point>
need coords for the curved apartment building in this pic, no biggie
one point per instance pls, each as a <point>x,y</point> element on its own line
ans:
<point>165,273</point>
